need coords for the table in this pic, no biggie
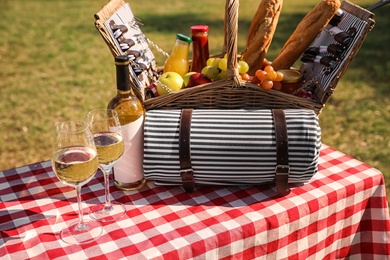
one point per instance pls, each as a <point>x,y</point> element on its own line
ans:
<point>341,213</point>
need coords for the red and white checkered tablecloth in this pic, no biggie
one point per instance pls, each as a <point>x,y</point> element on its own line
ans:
<point>341,213</point>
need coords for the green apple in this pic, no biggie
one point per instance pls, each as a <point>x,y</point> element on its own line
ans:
<point>169,82</point>
<point>187,76</point>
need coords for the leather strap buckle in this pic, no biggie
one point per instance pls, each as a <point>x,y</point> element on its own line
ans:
<point>187,179</point>
<point>282,170</point>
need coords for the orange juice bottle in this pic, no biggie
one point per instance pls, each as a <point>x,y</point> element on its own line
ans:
<point>178,60</point>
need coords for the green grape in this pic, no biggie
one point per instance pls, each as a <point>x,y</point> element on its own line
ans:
<point>205,69</point>
<point>210,61</point>
<point>212,72</point>
<point>216,62</point>
<point>222,75</point>
<point>243,67</point>
<point>222,65</point>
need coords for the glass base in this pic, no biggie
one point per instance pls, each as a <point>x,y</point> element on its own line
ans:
<point>130,186</point>
<point>104,213</point>
<point>87,232</point>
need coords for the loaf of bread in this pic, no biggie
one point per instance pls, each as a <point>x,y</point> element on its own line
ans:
<point>261,32</point>
<point>305,33</point>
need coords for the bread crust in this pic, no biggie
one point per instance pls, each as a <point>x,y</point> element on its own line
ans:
<point>305,33</point>
<point>261,32</point>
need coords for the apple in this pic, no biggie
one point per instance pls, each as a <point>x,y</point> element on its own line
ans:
<point>169,82</point>
<point>187,77</point>
<point>197,79</point>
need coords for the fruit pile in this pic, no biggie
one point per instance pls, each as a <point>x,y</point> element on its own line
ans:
<point>216,69</point>
<point>268,78</point>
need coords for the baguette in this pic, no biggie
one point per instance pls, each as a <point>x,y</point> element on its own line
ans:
<point>305,33</point>
<point>261,32</point>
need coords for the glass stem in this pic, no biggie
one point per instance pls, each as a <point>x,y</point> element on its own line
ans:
<point>81,225</point>
<point>107,188</point>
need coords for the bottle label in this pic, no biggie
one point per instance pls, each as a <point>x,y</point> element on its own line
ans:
<point>129,168</point>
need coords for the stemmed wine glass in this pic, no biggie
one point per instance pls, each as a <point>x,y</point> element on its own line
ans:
<point>75,162</point>
<point>106,129</point>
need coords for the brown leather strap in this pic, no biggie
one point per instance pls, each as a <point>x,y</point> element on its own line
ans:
<point>186,172</point>
<point>282,167</point>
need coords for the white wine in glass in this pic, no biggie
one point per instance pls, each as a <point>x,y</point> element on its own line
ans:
<point>107,134</point>
<point>75,162</point>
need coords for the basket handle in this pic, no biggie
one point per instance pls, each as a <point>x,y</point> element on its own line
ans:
<point>231,26</point>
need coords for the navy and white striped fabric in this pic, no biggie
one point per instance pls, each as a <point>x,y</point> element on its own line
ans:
<point>230,147</point>
<point>325,39</point>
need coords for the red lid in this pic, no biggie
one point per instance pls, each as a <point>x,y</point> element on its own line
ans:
<point>199,28</point>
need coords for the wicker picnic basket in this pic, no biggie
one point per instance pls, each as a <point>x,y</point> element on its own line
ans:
<point>234,93</point>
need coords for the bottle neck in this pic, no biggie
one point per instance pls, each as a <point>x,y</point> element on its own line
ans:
<point>123,83</point>
<point>122,77</point>
<point>181,49</point>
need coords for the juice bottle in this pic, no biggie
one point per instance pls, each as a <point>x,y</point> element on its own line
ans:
<point>200,47</point>
<point>178,60</point>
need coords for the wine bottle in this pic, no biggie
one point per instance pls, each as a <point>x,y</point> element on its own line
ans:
<point>128,171</point>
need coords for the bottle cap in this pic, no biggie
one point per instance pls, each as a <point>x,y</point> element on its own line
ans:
<point>121,60</point>
<point>199,28</point>
<point>183,38</point>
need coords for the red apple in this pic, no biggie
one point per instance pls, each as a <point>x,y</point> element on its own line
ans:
<point>197,79</point>
<point>187,76</point>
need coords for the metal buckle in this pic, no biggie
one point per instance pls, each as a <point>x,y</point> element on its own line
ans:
<point>186,170</point>
<point>188,174</point>
<point>282,170</point>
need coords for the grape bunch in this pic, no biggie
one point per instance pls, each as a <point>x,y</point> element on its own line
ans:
<point>268,78</point>
<point>216,68</point>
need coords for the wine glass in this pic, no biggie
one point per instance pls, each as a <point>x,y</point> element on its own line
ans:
<point>106,129</point>
<point>74,163</point>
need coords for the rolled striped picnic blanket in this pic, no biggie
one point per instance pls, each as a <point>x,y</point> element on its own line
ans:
<point>230,147</point>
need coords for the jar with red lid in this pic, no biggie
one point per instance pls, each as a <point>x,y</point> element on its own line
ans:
<point>200,47</point>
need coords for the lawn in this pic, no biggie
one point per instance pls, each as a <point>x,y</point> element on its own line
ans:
<point>55,66</point>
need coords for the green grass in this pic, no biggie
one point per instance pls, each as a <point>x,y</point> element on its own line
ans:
<point>55,66</point>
